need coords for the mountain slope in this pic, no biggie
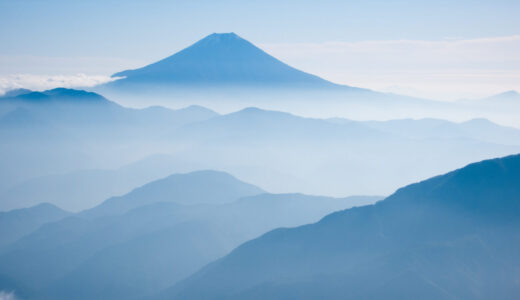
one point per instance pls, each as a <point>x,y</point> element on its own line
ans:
<point>78,109</point>
<point>476,129</point>
<point>74,190</point>
<point>200,187</point>
<point>74,129</point>
<point>16,223</point>
<point>148,244</point>
<point>254,124</point>
<point>450,237</point>
<point>220,59</point>
<point>505,96</point>
<point>278,142</point>
<point>186,241</point>
<point>509,100</point>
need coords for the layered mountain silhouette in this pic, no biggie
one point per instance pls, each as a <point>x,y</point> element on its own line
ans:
<point>71,128</point>
<point>477,129</point>
<point>220,59</point>
<point>16,223</point>
<point>280,141</point>
<point>57,94</point>
<point>200,187</point>
<point>73,190</point>
<point>505,96</point>
<point>66,107</point>
<point>134,245</point>
<point>15,92</point>
<point>498,101</point>
<point>454,236</point>
<point>84,139</point>
<point>258,124</point>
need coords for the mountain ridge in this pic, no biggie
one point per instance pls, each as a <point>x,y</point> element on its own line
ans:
<point>451,236</point>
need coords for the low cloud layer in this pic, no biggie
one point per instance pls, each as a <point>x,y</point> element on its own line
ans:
<point>445,69</point>
<point>7,296</point>
<point>45,82</point>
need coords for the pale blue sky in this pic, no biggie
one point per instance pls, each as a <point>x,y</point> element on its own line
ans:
<point>102,36</point>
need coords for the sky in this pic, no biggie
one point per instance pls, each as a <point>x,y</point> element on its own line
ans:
<point>437,49</point>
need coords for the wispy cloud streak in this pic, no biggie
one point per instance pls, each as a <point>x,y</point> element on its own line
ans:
<point>44,82</point>
<point>445,68</point>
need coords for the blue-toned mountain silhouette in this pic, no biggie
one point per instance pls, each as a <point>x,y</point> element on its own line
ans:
<point>511,95</point>
<point>78,132</point>
<point>15,92</point>
<point>16,223</point>
<point>454,236</point>
<point>223,59</point>
<point>200,187</point>
<point>68,127</point>
<point>132,246</point>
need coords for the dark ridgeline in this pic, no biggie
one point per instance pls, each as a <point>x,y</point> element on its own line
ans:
<point>454,236</point>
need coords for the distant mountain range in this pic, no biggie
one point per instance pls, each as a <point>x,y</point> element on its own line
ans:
<point>200,187</point>
<point>84,140</point>
<point>19,222</point>
<point>132,246</point>
<point>63,130</point>
<point>509,95</point>
<point>505,98</point>
<point>454,236</point>
<point>72,106</point>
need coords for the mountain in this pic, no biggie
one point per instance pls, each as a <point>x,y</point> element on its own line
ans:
<point>423,129</point>
<point>220,59</point>
<point>73,190</point>
<point>259,124</point>
<point>15,92</point>
<point>502,108</point>
<point>74,129</point>
<point>454,236</point>
<point>73,106</point>
<point>277,142</point>
<point>226,72</point>
<point>16,223</point>
<point>69,107</point>
<point>130,250</point>
<point>92,151</point>
<point>505,96</point>
<point>58,94</point>
<point>153,261</point>
<point>200,187</point>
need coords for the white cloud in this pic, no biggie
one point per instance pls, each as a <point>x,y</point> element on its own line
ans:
<point>439,69</point>
<point>7,296</point>
<point>55,65</point>
<point>45,82</point>
<point>445,69</point>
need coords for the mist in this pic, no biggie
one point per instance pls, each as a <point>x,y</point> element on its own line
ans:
<point>223,172</point>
